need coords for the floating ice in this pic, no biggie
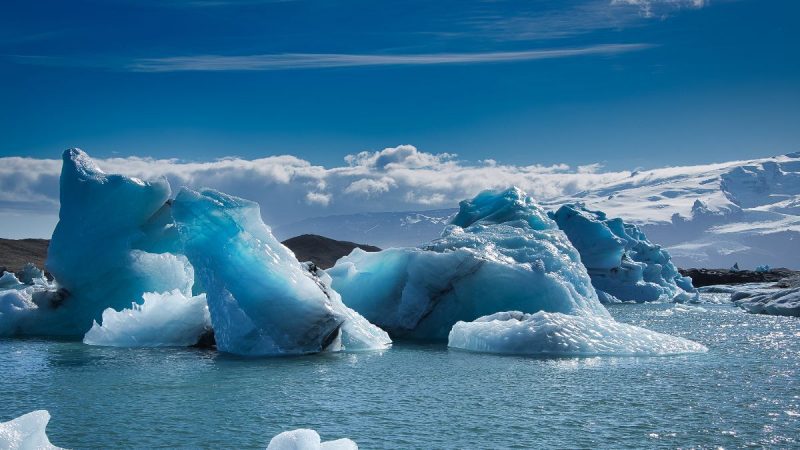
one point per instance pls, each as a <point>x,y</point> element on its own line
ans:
<point>501,253</point>
<point>556,334</point>
<point>261,299</point>
<point>26,432</point>
<point>778,302</point>
<point>32,275</point>
<point>619,258</point>
<point>9,281</point>
<point>170,319</point>
<point>92,253</point>
<point>305,439</point>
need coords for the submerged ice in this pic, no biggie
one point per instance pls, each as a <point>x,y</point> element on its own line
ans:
<point>622,263</point>
<point>556,334</point>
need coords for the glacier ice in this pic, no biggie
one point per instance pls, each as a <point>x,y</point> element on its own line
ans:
<point>91,254</point>
<point>9,281</point>
<point>121,241</point>
<point>26,432</point>
<point>778,302</point>
<point>170,319</point>
<point>501,252</point>
<point>305,439</point>
<point>621,261</point>
<point>556,334</point>
<point>261,299</point>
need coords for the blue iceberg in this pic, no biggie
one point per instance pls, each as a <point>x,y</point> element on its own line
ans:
<point>622,263</point>
<point>500,253</point>
<point>126,258</point>
<point>262,300</point>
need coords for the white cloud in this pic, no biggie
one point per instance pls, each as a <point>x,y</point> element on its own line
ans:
<point>289,188</point>
<point>286,61</point>
<point>653,8</point>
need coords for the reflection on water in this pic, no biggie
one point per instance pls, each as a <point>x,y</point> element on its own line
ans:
<point>743,392</point>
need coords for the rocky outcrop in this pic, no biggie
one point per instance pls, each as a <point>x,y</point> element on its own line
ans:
<point>708,277</point>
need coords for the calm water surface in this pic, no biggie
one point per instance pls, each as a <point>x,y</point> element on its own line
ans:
<point>743,393</point>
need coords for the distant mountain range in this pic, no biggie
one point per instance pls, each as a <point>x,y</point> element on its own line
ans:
<point>711,215</point>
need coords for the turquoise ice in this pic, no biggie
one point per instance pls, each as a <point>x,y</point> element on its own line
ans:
<point>621,261</point>
<point>502,252</point>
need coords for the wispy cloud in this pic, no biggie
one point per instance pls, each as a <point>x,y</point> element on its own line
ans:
<point>288,61</point>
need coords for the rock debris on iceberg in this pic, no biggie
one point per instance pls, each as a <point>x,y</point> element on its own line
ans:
<point>622,263</point>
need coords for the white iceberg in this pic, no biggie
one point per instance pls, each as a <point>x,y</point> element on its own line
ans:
<point>501,253</point>
<point>621,261</point>
<point>26,432</point>
<point>556,334</point>
<point>305,439</point>
<point>170,319</point>
<point>777,302</point>
<point>261,299</point>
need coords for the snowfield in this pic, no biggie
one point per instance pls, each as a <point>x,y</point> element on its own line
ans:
<point>710,215</point>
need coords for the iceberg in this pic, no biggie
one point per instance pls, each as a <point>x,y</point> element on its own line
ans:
<point>305,439</point>
<point>134,267</point>
<point>262,301</point>
<point>556,334</point>
<point>26,432</point>
<point>777,302</point>
<point>501,252</point>
<point>170,319</point>
<point>91,254</point>
<point>622,263</point>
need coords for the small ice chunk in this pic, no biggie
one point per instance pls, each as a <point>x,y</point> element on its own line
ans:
<point>170,319</point>
<point>32,275</point>
<point>26,432</point>
<point>9,281</point>
<point>305,439</point>
<point>556,334</point>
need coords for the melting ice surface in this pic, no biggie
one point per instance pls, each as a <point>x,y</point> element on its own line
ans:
<point>262,300</point>
<point>121,241</point>
<point>556,334</point>
<point>26,432</point>
<point>621,261</point>
<point>501,253</point>
<point>305,439</point>
<point>170,319</point>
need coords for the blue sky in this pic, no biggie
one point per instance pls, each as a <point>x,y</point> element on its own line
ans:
<point>629,83</point>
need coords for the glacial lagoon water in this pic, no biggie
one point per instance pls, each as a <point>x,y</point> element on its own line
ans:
<point>744,392</point>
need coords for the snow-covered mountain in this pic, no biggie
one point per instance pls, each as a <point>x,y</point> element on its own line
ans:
<point>710,215</point>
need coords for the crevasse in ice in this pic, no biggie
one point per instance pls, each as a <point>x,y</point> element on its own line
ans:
<point>305,439</point>
<point>261,299</point>
<point>622,263</point>
<point>501,253</point>
<point>556,334</point>
<point>170,319</point>
<point>26,432</point>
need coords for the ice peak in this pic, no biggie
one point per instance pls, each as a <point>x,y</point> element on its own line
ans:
<point>495,207</point>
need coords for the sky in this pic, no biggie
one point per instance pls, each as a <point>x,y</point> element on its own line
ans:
<point>602,86</point>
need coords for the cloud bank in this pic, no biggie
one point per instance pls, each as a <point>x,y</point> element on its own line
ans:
<point>289,188</point>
